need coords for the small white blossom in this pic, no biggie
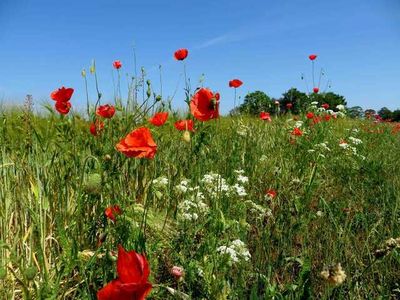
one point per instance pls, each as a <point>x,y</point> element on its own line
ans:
<point>340,107</point>
<point>242,179</point>
<point>355,141</point>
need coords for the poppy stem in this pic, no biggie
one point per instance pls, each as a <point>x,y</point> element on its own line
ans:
<point>313,80</point>
<point>234,101</point>
<point>87,98</point>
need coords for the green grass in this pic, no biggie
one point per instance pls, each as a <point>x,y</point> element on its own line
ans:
<point>56,181</point>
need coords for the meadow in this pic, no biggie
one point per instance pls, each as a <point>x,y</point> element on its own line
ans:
<point>242,207</point>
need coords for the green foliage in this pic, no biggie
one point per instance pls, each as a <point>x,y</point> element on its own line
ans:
<point>256,102</point>
<point>355,112</point>
<point>299,100</point>
<point>332,206</point>
<point>330,98</point>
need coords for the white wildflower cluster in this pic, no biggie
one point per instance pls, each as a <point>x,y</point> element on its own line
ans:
<point>160,182</point>
<point>351,148</point>
<point>257,210</point>
<point>242,130</point>
<point>321,109</point>
<point>194,207</point>
<point>293,124</point>
<point>355,141</point>
<point>240,177</point>
<point>339,114</point>
<point>182,187</point>
<point>320,149</point>
<point>341,107</point>
<point>216,185</point>
<point>236,251</point>
<point>313,105</point>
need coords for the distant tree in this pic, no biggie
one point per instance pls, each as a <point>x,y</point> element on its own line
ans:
<point>256,102</point>
<point>369,112</point>
<point>385,113</point>
<point>396,115</point>
<point>355,112</point>
<point>299,100</point>
<point>330,98</point>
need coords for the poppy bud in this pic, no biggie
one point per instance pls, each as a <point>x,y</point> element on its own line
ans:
<point>148,93</point>
<point>186,136</point>
<point>148,82</point>
<point>92,68</point>
<point>111,256</point>
<point>30,273</point>
<point>107,157</point>
<point>177,272</point>
<point>83,73</point>
<point>3,273</point>
<point>158,98</point>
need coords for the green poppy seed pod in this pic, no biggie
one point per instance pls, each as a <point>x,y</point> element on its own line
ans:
<point>3,273</point>
<point>83,73</point>
<point>92,184</point>
<point>92,68</point>
<point>30,273</point>
<point>148,93</point>
<point>111,256</point>
<point>148,82</point>
<point>158,98</point>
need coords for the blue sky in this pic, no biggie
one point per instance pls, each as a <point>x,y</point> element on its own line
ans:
<point>45,44</point>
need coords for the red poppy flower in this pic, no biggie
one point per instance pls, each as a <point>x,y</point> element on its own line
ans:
<point>204,105</point>
<point>235,83</point>
<point>117,64</point>
<point>315,90</point>
<point>317,119</point>
<point>312,56</point>
<point>96,127</point>
<point>327,117</point>
<point>289,105</point>
<point>310,115</point>
<point>132,282</point>
<point>182,125</point>
<point>106,111</point>
<point>159,119</point>
<point>139,143</point>
<point>297,132</point>
<point>265,116</point>
<point>112,211</point>
<point>62,94</point>
<point>181,54</point>
<point>325,105</point>
<point>63,107</point>
<point>270,193</point>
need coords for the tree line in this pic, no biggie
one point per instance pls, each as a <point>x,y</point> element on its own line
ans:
<point>295,101</point>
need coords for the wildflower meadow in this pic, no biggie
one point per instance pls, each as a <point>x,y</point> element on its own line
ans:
<point>129,198</point>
